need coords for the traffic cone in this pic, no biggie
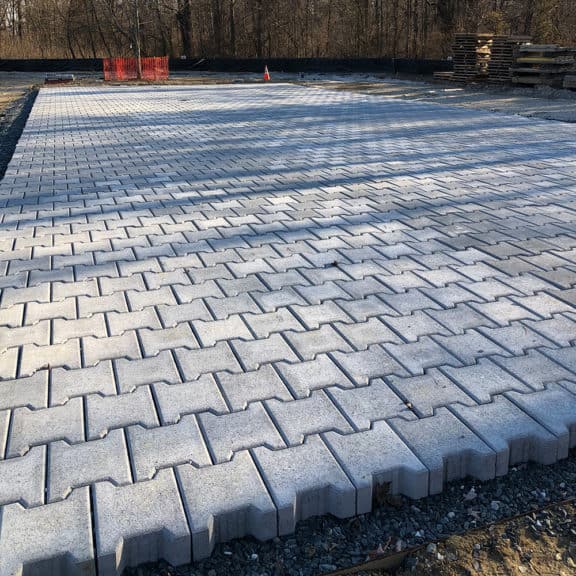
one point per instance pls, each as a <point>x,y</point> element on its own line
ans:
<point>266,74</point>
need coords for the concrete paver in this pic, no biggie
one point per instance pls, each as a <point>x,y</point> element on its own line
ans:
<point>225,309</point>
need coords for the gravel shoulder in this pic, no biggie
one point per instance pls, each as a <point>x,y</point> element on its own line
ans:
<point>544,103</point>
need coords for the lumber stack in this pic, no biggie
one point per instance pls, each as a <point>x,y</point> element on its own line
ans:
<point>544,65</point>
<point>471,56</point>
<point>485,57</point>
<point>502,57</point>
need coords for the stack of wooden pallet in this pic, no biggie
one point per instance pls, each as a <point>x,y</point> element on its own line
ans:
<point>502,54</point>
<point>471,53</point>
<point>546,65</point>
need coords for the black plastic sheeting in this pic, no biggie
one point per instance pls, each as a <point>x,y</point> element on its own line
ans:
<point>294,65</point>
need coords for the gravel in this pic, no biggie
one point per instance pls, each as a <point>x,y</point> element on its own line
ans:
<point>323,545</point>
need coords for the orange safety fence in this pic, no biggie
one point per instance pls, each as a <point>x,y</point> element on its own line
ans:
<point>127,68</point>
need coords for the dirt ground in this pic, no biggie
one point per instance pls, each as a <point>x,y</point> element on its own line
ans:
<point>13,85</point>
<point>8,97</point>
<point>540,544</point>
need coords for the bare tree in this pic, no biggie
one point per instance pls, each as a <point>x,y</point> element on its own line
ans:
<point>269,28</point>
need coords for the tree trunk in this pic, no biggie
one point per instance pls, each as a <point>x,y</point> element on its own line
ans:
<point>184,18</point>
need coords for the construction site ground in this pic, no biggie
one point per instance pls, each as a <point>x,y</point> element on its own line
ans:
<point>337,272</point>
<point>543,102</point>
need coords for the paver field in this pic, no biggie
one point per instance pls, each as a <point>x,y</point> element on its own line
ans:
<point>225,309</point>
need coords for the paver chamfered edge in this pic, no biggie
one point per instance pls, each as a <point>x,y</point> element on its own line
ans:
<point>226,501</point>
<point>139,523</point>
<point>4,423</point>
<point>50,540</point>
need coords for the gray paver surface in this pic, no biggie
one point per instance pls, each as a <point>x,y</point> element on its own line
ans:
<point>225,309</point>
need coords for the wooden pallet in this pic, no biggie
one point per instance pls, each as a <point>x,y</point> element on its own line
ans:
<point>471,55</point>
<point>484,57</point>
<point>502,58</point>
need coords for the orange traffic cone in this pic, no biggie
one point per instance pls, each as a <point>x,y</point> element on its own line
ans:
<point>266,74</point>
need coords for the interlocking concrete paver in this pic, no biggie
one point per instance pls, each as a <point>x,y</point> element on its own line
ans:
<point>378,456</point>
<point>374,362</point>
<point>296,420</point>
<point>118,322</point>
<point>36,427</point>
<point>55,539</point>
<point>226,501</point>
<point>218,358</point>
<point>23,478</point>
<point>535,369</point>
<point>71,466</point>
<point>181,443</point>
<point>485,380</point>
<point>155,341</point>
<point>555,409</point>
<point>96,350</point>
<point>306,376</point>
<point>510,432</point>
<point>103,413</point>
<point>201,341</point>
<point>31,392</point>
<point>417,357</point>
<point>66,384</point>
<point>230,433</point>
<point>455,451</point>
<point>262,384</point>
<point>366,404</point>
<point>139,523</point>
<point>305,481</point>
<point>36,357</point>
<point>518,338</point>
<point>256,353</point>
<point>212,332</point>
<point>313,342</point>
<point>202,395</point>
<point>423,394</point>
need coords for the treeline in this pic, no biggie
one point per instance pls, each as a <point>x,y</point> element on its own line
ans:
<point>269,28</point>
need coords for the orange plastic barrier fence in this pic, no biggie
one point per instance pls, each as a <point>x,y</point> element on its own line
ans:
<point>127,68</point>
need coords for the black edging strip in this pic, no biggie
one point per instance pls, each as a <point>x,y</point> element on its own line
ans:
<point>9,137</point>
